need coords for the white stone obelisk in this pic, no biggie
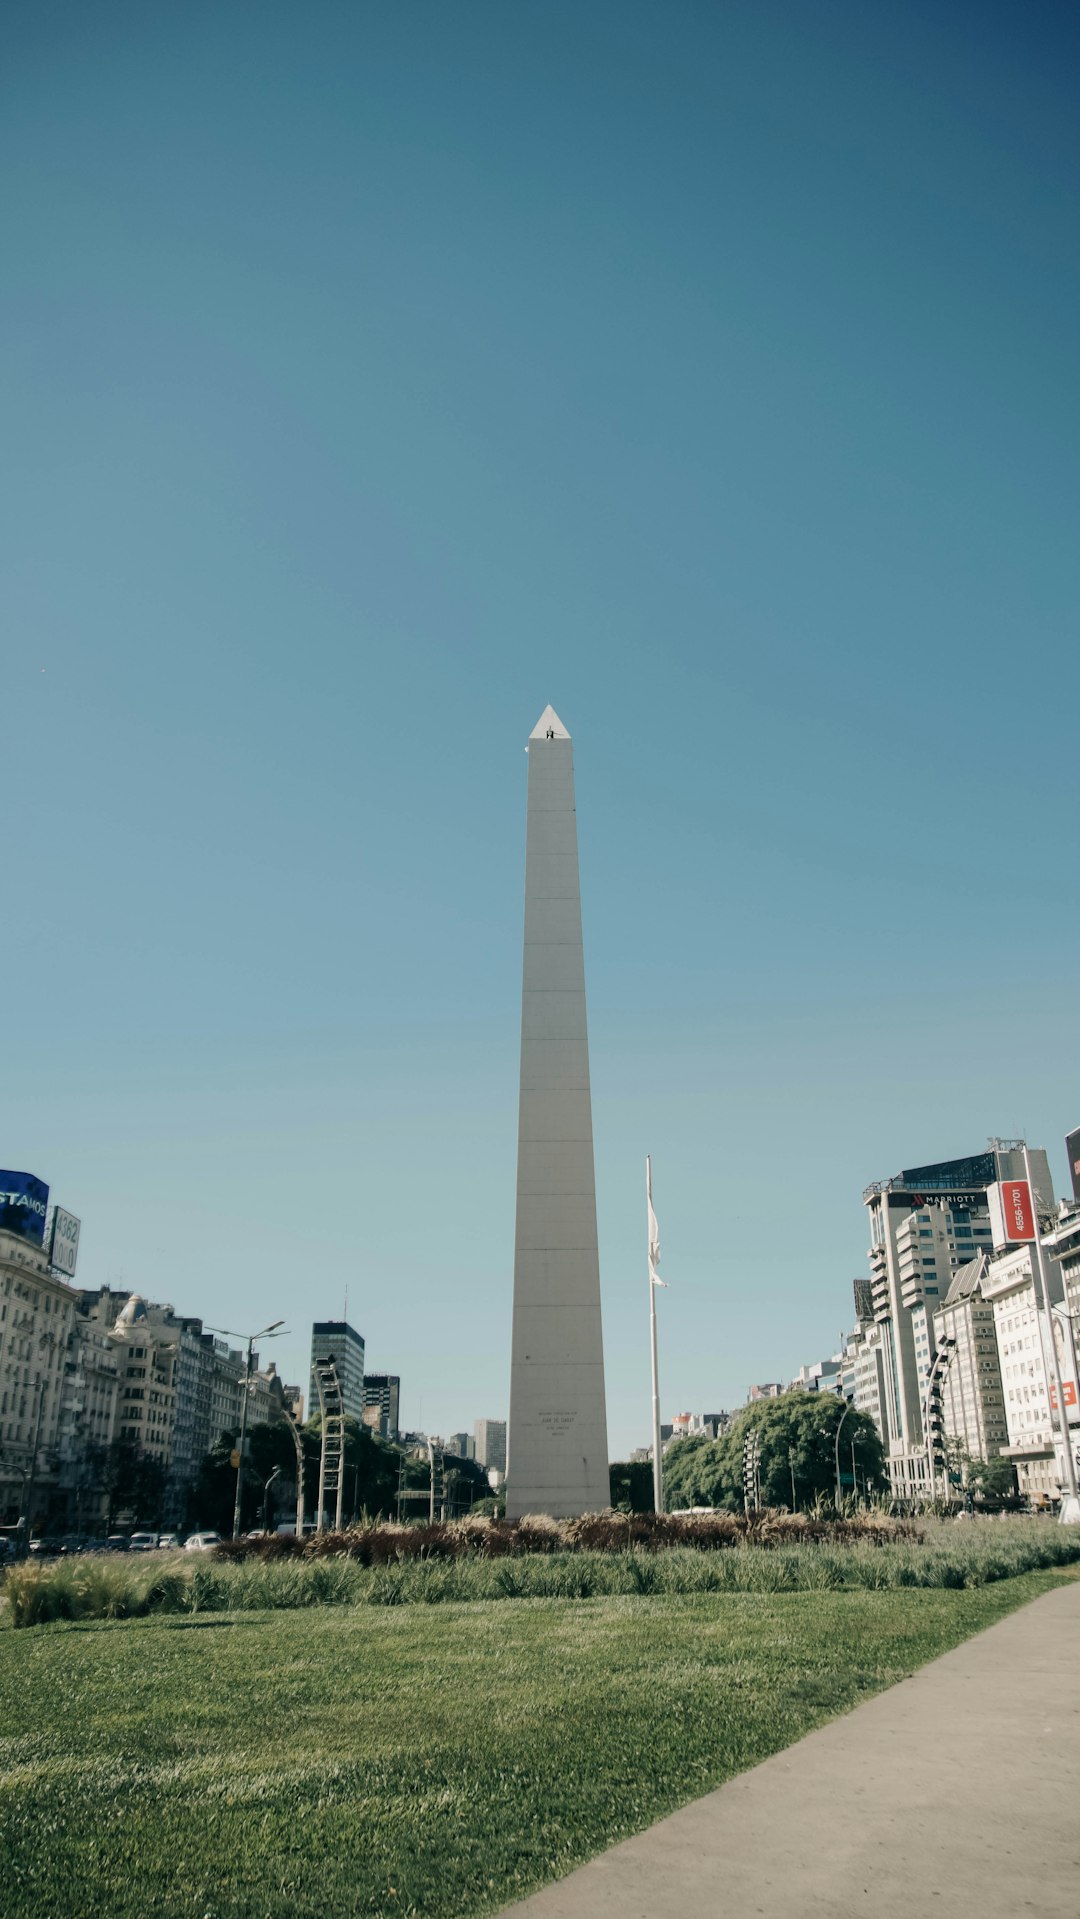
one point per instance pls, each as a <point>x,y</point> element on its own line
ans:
<point>557,1458</point>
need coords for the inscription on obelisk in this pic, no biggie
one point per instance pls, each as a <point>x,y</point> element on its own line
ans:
<point>557,1459</point>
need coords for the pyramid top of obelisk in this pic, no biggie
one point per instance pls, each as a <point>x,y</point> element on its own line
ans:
<point>549,725</point>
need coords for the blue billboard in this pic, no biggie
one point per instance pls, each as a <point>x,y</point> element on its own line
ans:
<point>24,1202</point>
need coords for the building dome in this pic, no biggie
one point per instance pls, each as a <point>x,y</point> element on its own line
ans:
<point>131,1314</point>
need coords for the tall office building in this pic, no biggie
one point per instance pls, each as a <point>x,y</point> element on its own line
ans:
<point>925,1224</point>
<point>382,1398</point>
<point>335,1339</point>
<point>558,1461</point>
<point>490,1443</point>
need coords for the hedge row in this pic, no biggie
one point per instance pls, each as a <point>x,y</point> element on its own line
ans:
<point>381,1542</point>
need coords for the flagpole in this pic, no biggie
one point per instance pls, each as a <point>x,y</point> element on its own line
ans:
<point>658,1463</point>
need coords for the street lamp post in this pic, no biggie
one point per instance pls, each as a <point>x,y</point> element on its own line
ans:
<point>839,1428</point>
<point>266,1497</point>
<point>267,1332</point>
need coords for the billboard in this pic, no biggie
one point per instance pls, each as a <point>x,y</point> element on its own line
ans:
<point>64,1242</point>
<point>24,1202</point>
<point>1066,1357</point>
<point>1012,1216</point>
<point>1072,1147</point>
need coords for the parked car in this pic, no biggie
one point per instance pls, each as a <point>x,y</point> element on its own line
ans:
<point>118,1543</point>
<point>202,1542</point>
<point>169,1541</point>
<point>144,1542</point>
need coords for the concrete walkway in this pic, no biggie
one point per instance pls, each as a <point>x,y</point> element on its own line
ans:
<point>956,1792</point>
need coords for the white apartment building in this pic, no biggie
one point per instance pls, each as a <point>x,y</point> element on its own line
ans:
<point>695,1425</point>
<point>146,1414</point>
<point>1009,1286</point>
<point>925,1224</point>
<point>819,1376</point>
<point>37,1313</point>
<point>863,1377</point>
<point>87,1421</point>
<point>973,1406</point>
<point>1061,1242</point>
<point>225,1372</point>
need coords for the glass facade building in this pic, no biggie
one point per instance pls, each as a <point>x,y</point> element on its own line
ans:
<point>335,1339</point>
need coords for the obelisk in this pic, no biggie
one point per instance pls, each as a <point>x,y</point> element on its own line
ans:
<point>557,1458</point>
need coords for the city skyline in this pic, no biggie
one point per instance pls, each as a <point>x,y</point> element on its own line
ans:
<point>372,380</point>
<point>838,1372</point>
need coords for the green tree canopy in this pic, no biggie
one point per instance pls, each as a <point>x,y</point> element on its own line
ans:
<point>631,1485</point>
<point>133,1483</point>
<point>796,1433</point>
<point>371,1467</point>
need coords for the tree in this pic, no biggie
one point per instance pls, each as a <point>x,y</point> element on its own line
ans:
<point>796,1434</point>
<point>632,1485</point>
<point>133,1484</point>
<point>210,1499</point>
<point>464,1483</point>
<point>703,1472</point>
<point>991,1479</point>
<point>369,1484</point>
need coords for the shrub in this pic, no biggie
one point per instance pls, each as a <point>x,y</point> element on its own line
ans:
<point>384,1565</point>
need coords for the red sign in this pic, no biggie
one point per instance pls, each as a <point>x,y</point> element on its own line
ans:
<point>1068,1387</point>
<point>1016,1207</point>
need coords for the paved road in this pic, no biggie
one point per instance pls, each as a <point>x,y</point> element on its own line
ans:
<point>956,1792</point>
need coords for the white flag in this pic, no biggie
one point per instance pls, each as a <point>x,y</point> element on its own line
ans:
<point>654,1230</point>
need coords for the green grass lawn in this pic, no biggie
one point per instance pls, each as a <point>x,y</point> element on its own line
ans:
<point>415,1760</point>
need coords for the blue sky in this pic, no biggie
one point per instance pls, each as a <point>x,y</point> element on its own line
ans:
<point>371,376</point>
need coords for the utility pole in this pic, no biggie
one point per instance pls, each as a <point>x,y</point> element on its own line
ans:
<point>654,1282</point>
